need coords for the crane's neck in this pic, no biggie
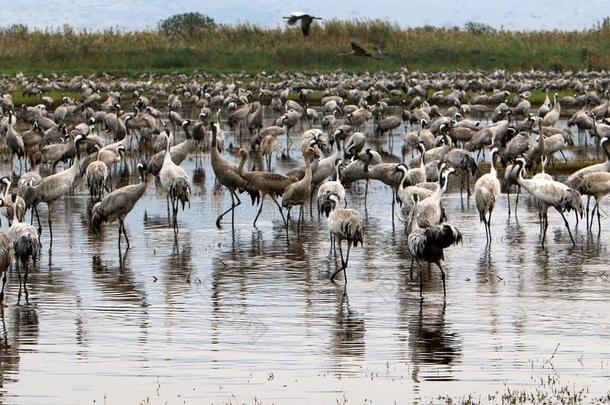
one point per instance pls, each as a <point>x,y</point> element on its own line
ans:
<point>520,179</point>
<point>543,164</point>
<point>492,169</point>
<point>168,155</point>
<point>307,177</point>
<point>76,165</point>
<point>443,181</point>
<point>187,133</point>
<point>242,163</point>
<point>401,186</point>
<point>214,152</point>
<point>214,134</point>
<point>337,172</point>
<point>8,187</point>
<point>607,150</point>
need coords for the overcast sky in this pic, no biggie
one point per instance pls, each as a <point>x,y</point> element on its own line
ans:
<point>141,14</point>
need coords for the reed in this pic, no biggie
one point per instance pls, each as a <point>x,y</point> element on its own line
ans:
<point>250,48</point>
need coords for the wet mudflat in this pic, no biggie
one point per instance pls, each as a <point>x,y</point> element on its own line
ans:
<point>234,316</point>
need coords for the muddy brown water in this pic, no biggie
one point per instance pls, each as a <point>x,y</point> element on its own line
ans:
<point>234,316</point>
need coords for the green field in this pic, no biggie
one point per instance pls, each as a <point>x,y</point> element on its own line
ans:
<point>253,49</point>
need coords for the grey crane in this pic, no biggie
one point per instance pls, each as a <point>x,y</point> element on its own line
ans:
<point>344,224</point>
<point>300,191</point>
<point>486,193</point>
<point>53,187</point>
<point>118,204</point>
<point>229,175</point>
<point>334,187</point>
<point>176,183</point>
<point>575,179</point>
<point>9,209</point>
<point>6,260</point>
<point>25,246</point>
<point>596,184</point>
<point>97,176</point>
<point>267,184</point>
<point>304,20</point>
<point>427,244</point>
<point>550,193</point>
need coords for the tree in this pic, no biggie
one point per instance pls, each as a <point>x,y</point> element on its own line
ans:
<point>186,23</point>
<point>478,28</point>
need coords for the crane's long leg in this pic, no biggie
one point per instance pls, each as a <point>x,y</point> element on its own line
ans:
<point>287,141</point>
<point>19,279</point>
<point>442,278</point>
<point>176,228</point>
<point>421,284</point>
<point>311,203</point>
<point>236,203</point>
<point>349,247</point>
<point>332,278</point>
<point>366,193</point>
<point>508,199</point>
<point>120,226</point>
<point>517,200</point>
<point>25,282</point>
<point>219,219</point>
<point>393,203</point>
<point>260,209</point>
<point>50,225</point>
<point>461,186</point>
<point>588,201</point>
<point>411,268</point>
<point>125,233</point>
<point>564,156</point>
<point>279,207</point>
<point>590,223</point>
<point>544,226</point>
<point>489,225</point>
<point>565,221</point>
<point>599,223</point>
<point>299,218</point>
<point>38,218</point>
<point>3,284</point>
<point>168,212</point>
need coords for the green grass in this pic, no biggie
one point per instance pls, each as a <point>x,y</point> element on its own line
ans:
<point>252,49</point>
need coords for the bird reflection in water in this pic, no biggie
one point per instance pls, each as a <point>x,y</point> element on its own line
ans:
<point>22,330</point>
<point>348,331</point>
<point>431,343</point>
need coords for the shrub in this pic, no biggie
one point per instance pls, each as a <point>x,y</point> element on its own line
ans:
<point>186,23</point>
<point>478,28</point>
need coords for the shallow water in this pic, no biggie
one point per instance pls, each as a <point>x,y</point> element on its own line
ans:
<point>233,316</point>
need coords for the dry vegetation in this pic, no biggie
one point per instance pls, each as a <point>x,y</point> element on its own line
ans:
<point>251,48</point>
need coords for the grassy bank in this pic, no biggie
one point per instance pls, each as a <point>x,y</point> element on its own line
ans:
<point>253,49</point>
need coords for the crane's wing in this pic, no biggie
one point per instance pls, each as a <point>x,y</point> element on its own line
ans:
<point>358,49</point>
<point>292,20</point>
<point>305,23</point>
